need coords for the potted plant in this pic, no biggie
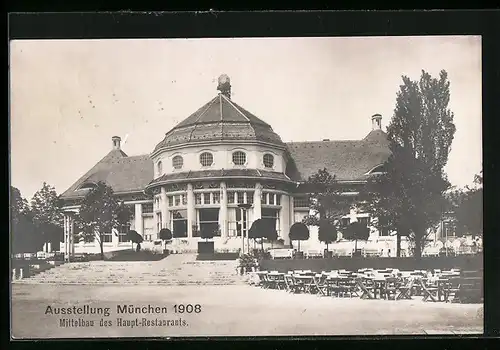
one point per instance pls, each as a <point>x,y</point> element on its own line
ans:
<point>299,232</point>
<point>165,235</point>
<point>355,231</point>
<point>135,237</point>
<point>327,234</point>
<point>206,247</point>
<point>246,263</point>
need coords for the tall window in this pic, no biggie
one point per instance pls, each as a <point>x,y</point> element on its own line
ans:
<point>268,160</point>
<point>158,222</point>
<point>179,223</point>
<point>206,159</point>
<point>301,202</point>
<point>197,198</point>
<point>147,208</point>
<point>209,220</point>
<point>271,215</point>
<point>239,158</point>
<point>241,225</point>
<point>159,168</point>
<point>122,233</point>
<point>364,220</point>
<point>177,162</point>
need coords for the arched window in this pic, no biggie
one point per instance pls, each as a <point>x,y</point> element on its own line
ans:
<point>268,160</point>
<point>206,159</point>
<point>177,162</point>
<point>239,158</point>
<point>159,168</point>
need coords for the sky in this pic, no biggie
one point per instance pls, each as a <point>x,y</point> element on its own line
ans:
<point>69,97</point>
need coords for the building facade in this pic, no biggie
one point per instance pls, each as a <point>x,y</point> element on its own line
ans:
<point>216,159</point>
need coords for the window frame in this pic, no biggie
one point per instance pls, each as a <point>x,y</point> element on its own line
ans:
<point>159,168</point>
<point>201,159</point>
<point>264,160</point>
<point>237,153</point>
<point>175,165</point>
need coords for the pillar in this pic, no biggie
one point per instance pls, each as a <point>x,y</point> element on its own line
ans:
<point>138,218</point>
<point>223,211</point>
<point>66,237</point>
<point>165,214</point>
<point>191,214</point>
<point>257,202</point>
<point>71,235</point>
<point>292,211</point>
<point>285,218</point>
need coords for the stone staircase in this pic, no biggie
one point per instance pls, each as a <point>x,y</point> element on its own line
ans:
<point>174,270</point>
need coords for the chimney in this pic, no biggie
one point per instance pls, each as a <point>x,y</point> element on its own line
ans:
<point>376,122</point>
<point>116,142</point>
<point>224,85</point>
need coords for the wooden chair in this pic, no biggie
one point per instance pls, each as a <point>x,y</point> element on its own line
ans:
<point>391,288</point>
<point>367,288</point>
<point>405,289</point>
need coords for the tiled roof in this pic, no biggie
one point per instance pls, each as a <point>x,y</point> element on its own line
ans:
<point>122,173</point>
<point>218,120</point>
<point>222,173</point>
<point>347,160</point>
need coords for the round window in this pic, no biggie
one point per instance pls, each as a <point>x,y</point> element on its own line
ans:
<point>206,159</point>
<point>177,162</point>
<point>239,158</point>
<point>268,160</point>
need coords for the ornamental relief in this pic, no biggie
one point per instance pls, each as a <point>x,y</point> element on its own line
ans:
<point>175,187</point>
<point>156,191</point>
<point>240,184</point>
<point>134,197</point>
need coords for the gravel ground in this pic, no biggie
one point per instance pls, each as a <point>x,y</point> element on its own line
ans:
<point>231,311</point>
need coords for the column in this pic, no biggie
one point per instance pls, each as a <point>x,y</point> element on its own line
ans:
<point>165,214</point>
<point>257,202</point>
<point>138,218</point>
<point>292,211</point>
<point>285,218</point>
<point>223,211</point>
<point>191,214</point>
<point>71,235</point>
<point>66,238</point>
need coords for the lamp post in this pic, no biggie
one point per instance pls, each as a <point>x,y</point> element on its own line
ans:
<point>244,207</point>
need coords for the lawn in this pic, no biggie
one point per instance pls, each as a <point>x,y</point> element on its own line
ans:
<point>232,311</point>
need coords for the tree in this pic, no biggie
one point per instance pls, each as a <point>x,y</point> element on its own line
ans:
<point>299,232</point>
<point>327,233</point>
<point>100,212</point>
<point>356,231</point>
<point>23,237</point>
<point>47,214</point>
<point>467,206</point>
<point>165,234</point>
<point>263,229</point>
<point>207,233</point>
<point>136,238</point>
<point>411,193</point>
<point>327,201</point>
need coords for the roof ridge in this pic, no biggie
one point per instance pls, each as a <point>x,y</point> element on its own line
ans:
<point>199,117</point>
<point>237,109</point>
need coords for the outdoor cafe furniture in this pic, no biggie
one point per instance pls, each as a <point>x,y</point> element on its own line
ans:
<point>276,280</point>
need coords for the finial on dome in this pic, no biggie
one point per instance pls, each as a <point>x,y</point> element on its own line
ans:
<point>224,85</point>
<point>376,122</point>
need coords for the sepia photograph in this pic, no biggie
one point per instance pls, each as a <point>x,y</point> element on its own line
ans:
<point>301,186</point>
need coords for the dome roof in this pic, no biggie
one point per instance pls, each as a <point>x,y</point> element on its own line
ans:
<point>220,120</point>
